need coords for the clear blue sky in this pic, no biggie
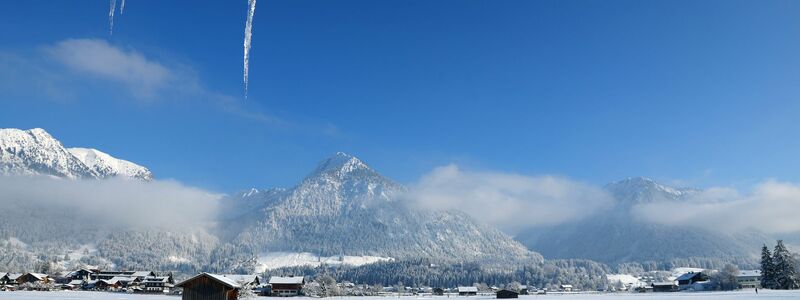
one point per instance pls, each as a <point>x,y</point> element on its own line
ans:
<point>703,92</point>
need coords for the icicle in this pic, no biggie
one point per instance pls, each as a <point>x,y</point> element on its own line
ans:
<point>248,34</point>
<point>122,7</point>
<point>113,6</point>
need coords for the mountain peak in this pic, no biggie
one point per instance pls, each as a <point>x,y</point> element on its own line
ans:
<point>643,189</point>
<point>341,163</point>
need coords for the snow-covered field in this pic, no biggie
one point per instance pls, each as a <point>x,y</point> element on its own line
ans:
<point>740,295</point>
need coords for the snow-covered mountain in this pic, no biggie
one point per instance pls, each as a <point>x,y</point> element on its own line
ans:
<point>346,208</point>
<point>36,152</point>
<point>619,236</point>
<point>108,166</point>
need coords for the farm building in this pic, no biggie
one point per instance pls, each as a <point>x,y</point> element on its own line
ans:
<point>664,286</point>
<point>206,286</point>
<point>467,291</point>
<point>686,280</point>
<point>286,286</point>
<point>438,291</point>
<point>507,294</point>
<point>565,288</point>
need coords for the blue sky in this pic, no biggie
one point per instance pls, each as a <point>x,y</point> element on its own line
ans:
<point>691,92</point>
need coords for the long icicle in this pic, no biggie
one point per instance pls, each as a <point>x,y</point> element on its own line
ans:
<point>248,35</point>
<point>112,7</point>
<point>122,7</point>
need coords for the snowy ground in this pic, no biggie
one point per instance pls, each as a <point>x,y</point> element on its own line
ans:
<point>740,295</point>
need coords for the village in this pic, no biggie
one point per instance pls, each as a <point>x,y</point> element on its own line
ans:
<point>238,286</point>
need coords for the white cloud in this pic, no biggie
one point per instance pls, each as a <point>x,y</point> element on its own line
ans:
<point>509,201</point>
<point>112,201</point>
<point>772,207</point>
<point>98,57</point>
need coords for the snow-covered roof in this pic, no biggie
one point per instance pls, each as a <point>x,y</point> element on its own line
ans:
<point>665,283</point>
<point>241,278</point>
<point>219,278</point>
<point>39,276</point>
<point>462,289</point>
<point>749,273</point>
<point>687,276</point>
<point>286,280</point>
<point>142,273</point>
<point>566,286</point>
<point>14,276</point>
<point>76,282</point>
<point>123,278</point>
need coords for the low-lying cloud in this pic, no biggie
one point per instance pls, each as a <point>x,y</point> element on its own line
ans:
<point>116,201</point>
<point>509,201</point>
<point>772,207</point>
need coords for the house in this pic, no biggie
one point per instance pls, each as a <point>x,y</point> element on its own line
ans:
<point>75,284</point>
<point>467,290</point>
<point>244,280</point>
<point>9,279</point>
<point>124,281</point>
<point>206,286</point>
<point>507,294</point>
<point>685,281</point>
<point>565,288</point>
<point>523,289</point>
<point>33,278</point>
<point>139,275</point>
<point>660,287</point>
<point>749,279</point>
<point>157,284</point>
<point>287,286</point>
<point>82,274</point>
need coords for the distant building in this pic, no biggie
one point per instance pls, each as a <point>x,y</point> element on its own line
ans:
<point>158,284</point>
<point>467,290</point>
<point>82,274</point>
<point>507,294</point>
<point>9,278</point>
<point>33,278</point>
<point>660,287</point>
<point>565,288</point>
<point>287,286</point>
<point>206,286</point>
<point>523,289</point>
<point>685,281</point>
<point>749,279</point>
<point>139,275</point>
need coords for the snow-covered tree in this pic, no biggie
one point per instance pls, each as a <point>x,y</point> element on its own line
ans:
<point>767,269</point>
<point>785,267</point>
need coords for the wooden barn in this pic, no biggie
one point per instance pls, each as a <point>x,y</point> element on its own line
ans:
<point>507,294</point>
<point>438,291</point>
<point>206,286</point>
<point>287,286</point>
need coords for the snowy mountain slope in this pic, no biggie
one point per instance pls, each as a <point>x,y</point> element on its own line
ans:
<point>105,165</point>
<point>36,152</point>
<point>346,208</point>
<point>618,236</point>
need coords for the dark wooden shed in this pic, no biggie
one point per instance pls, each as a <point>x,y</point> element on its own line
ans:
<point>206,286</point>
<point>507,294</point>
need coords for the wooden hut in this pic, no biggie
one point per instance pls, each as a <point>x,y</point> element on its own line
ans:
<point>206,286</point>
<point>507,294</point>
